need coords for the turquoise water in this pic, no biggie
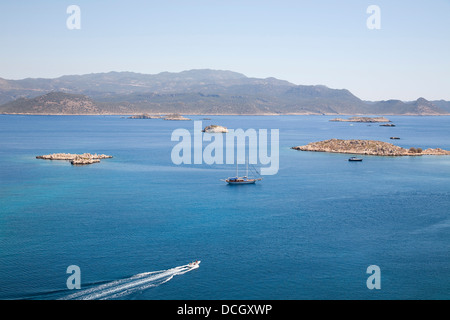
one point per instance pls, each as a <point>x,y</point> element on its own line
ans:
<point>308,232</point>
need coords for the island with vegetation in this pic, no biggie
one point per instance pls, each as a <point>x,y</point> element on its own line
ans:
<point>367,147</point>
<point>75,159</point>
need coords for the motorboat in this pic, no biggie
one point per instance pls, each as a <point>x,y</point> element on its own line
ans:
<point>194,264</point>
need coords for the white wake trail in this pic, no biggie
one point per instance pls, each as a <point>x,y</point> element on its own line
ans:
<point>119,288</point>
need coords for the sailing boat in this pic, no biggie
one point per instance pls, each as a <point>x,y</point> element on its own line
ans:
<point>241,180</point>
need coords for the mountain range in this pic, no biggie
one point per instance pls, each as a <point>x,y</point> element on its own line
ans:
<point>192,92</point>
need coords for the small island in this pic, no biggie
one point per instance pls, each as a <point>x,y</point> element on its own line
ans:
<point>75,159</point>
<point>215,129</point>
<point>175,117</point>
<point>367,147</point>
<point>362,119</point>
<point>145,116</point>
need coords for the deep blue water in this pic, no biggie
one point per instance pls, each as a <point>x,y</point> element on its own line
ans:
<point>308,232</point>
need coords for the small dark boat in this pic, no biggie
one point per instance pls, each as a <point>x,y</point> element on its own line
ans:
<point>355,159</point>
<point>387,125</point>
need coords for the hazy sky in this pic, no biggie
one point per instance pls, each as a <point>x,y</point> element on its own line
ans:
<point>305,42</point>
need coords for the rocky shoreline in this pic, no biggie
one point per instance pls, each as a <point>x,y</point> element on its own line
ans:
<point>175,117</point>
<point>75,159</point>
<point>367,147</point>
<point>362,119</point>
<point>215,129</point>
<point>145,116</point>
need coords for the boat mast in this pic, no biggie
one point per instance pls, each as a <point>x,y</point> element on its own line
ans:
<point>246,173</point>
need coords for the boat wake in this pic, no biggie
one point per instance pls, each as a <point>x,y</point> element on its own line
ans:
<point>123,287</point>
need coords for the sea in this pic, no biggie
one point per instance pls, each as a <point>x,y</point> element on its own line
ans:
<point>132,223</point>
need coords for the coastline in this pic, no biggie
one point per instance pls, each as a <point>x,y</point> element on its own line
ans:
<point>229,114</point>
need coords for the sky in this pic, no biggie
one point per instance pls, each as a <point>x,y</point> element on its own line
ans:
<point>322,42</point>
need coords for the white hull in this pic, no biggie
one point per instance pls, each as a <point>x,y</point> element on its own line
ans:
<point>241,182</point>
<point>194,264</point>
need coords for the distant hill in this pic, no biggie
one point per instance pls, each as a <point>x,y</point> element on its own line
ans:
<point>419,107</point>
<point>58,103</point>
<point>442,104</point>
<point>191,92</point>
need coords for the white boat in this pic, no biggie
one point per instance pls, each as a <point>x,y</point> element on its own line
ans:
<point>194,264</point>
<point>241,180</point>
